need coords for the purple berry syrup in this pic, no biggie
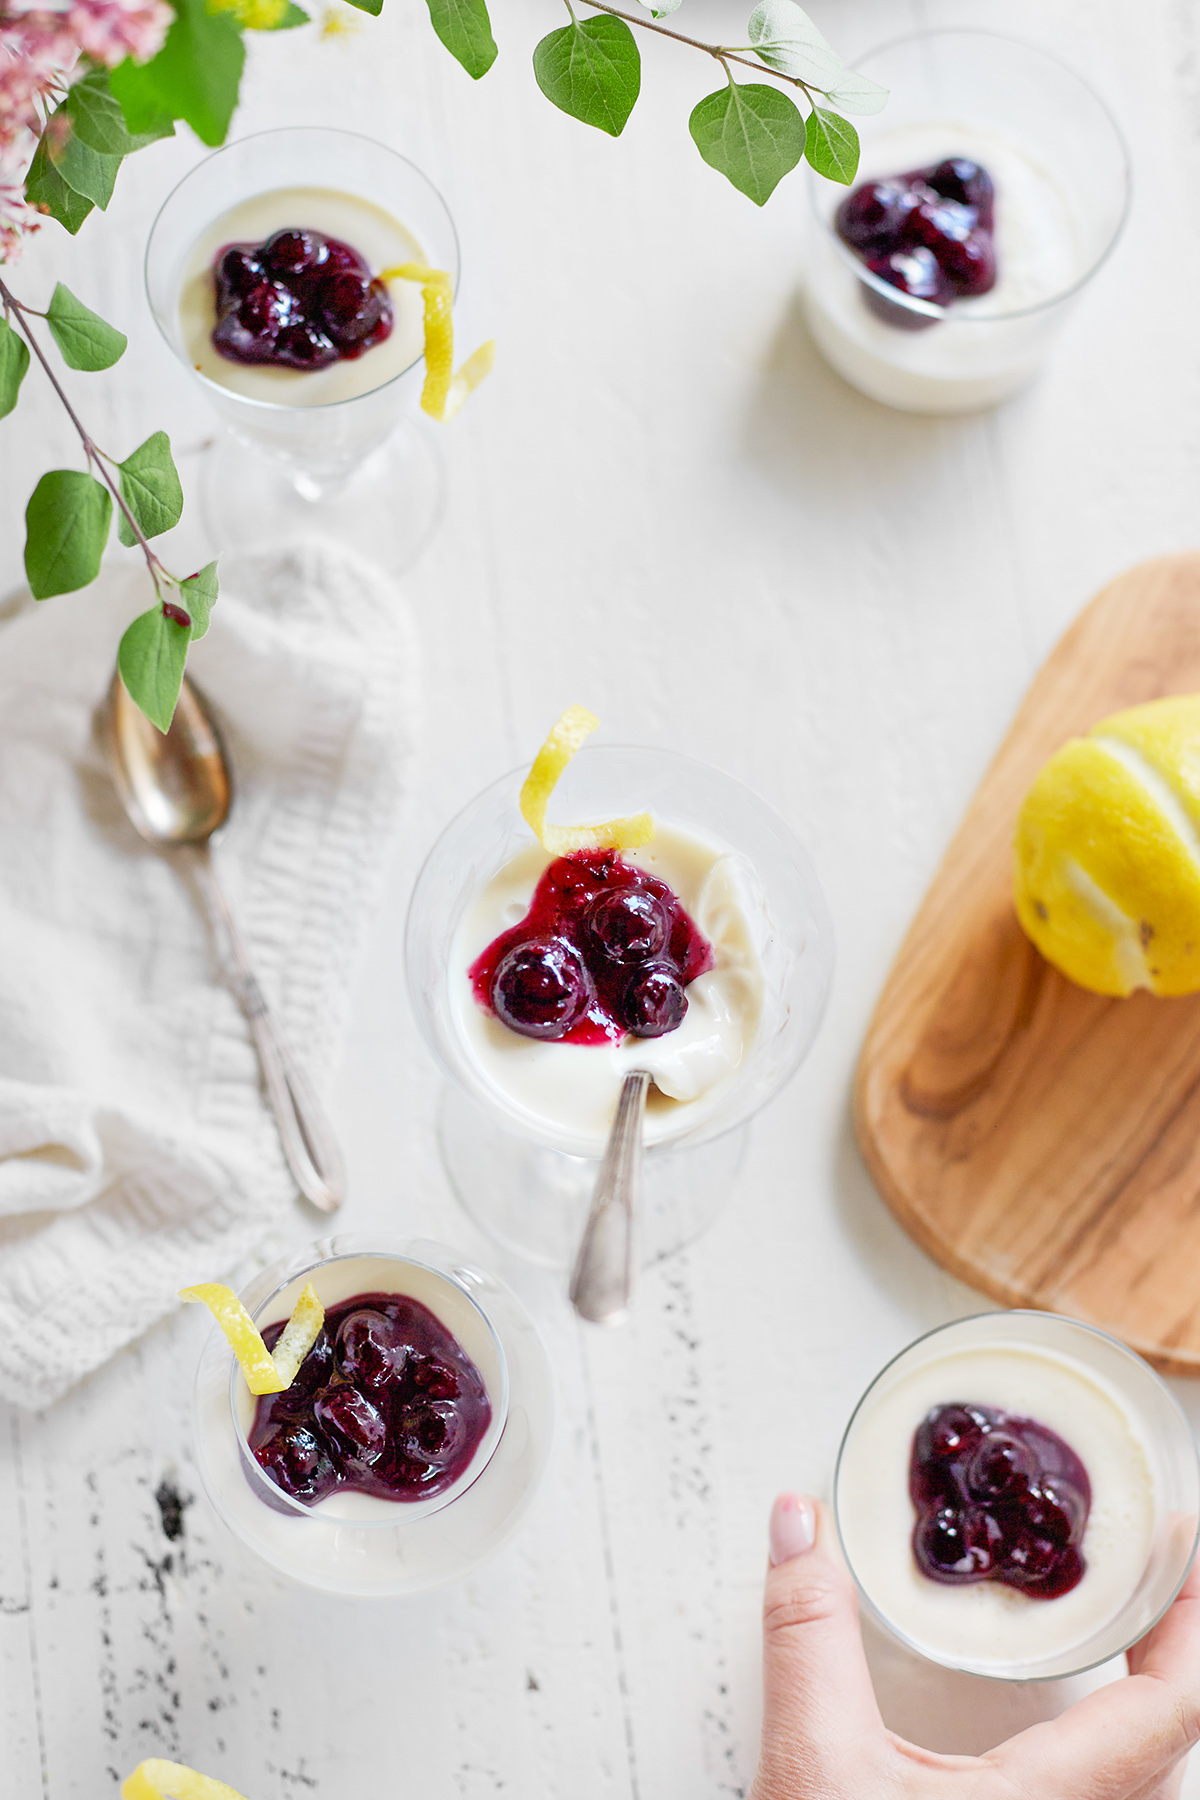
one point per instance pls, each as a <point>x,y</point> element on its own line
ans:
<point>998,1498</point>
<point>604,949</point>
<point>928,233</point>
<point>300,300</point>
<point>386,1402</point>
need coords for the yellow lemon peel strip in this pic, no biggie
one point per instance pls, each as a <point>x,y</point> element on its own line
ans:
<point>265,1374</point>
<point>576,724</point>
<point>156,1779</point>
<point>444,391</point>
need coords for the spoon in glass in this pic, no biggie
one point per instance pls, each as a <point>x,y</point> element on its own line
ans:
<point>177,790</point>
<point>602,1279</point>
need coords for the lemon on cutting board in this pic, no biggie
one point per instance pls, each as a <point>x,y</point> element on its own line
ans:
<point>1107,852</point>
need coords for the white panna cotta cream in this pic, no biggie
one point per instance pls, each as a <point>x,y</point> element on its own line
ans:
<point>382,240</point>
<point>569,1090</point>
<point>978,353</point>
<point>987,1624</point>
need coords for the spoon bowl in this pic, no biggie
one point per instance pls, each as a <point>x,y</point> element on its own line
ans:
<point>176,787</point>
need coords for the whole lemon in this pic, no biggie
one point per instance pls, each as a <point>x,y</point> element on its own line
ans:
<point>1107,852</point>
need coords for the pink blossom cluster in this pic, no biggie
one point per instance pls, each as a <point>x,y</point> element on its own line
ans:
<point>39,49</point>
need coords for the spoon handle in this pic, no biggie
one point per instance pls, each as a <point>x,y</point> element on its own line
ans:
<point>602,1280</point>
<point>309,1146</point>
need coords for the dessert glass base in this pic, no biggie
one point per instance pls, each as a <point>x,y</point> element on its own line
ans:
<point>533,1201</point>
<point>388,507</point>
<point>354,1544</point>
<point>1116,1416</point>
<point>1061,173</point>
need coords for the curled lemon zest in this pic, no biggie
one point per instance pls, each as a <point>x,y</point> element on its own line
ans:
<point>576,724</point>
<point>265,1374</point>
<point>444,391</point>
<point>157,1779</point>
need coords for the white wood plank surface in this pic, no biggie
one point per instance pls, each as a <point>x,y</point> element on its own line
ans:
<point>665,505</point>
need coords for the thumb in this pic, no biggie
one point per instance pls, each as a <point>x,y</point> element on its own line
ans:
<point>821,1723</point>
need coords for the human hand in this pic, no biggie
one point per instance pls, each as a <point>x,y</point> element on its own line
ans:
<point>823,1737</point>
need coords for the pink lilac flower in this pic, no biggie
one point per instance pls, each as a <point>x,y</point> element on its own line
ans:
<point>17,218</point>
<point>110,30</point>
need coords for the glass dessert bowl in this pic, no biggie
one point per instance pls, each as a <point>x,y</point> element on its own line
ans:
<point>1017,1496</point>
<point>320,412</point>
<point>952,305</point>
<point>737,965</point>
<point>413,1437</point>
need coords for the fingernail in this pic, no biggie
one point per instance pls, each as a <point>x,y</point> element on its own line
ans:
<point>793,1528</point>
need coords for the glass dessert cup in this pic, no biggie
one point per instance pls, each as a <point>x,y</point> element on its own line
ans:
<point>359,469</point>
<point>1056,155</point>
<point>1117,1416</point>
<point>352,1543</point>
<point>527,1178</point>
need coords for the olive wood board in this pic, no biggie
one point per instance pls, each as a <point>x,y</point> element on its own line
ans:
<point>1040,1142</point>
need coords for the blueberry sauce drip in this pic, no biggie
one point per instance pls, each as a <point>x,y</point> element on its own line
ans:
<point>928,233</point>
<point>300,300</point>
<point>604,949</point>
<point>998,1498</point>
<point>386,1403</point>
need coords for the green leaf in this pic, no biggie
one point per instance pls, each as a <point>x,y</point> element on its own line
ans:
<point>199,594</point>
<point>150,488</point>
<point>592,71</point>
<point>831,144</point>
<point>84,338</point>
<point>785,38</point>
<point>66,529</point>
<point>293,16</point>
<point>45,188</point>
<point>152,657</point>
<point>83,169</point>
<point>751,133</point>
<point>466,30</point>
<point>98,121</point>
<point>194,77</point>
<point>14,360</point>
<point>857,93</point>
<point>369,6</point>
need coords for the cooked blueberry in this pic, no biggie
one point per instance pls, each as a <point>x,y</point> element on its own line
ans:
<point>304,346</point>
<point>433,1378</point>
<point>627,925</point>
<point>954,1546</point>
<point>871,219</point>
<point>239,270</point>
<point>958,178</point>
<point>265,309</point>
<point>655,1002</point>
<point>294,253</point>
<point>542,988</point>
<point>927,232</point>
<point>300,300</point>
<point>351,1422</point>
<point>368,1352</point>
<point>1002,1465</point>
<point>297,1461</point>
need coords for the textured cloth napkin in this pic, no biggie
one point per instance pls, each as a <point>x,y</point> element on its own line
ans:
<point>137,1154</point>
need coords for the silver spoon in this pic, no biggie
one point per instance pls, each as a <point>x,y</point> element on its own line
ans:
<point>177,790</point>
<point>602,1279</point>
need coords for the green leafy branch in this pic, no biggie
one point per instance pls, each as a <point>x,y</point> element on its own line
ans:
<point>751,133</point>
<point>69,515</point>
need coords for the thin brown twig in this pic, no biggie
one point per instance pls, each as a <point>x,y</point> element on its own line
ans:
<point>718,51</point>
<point>95,456</point>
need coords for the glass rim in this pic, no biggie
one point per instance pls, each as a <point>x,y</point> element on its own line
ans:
<point>290,406</point>
<point>1014,1312</point>
<point>814,893</point>
<point>927,309</point>
<point>407,1512</point>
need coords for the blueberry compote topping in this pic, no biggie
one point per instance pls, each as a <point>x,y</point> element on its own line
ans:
<point>928,233</point>
<point>385,1402</point>
<point>300,300</point>
<point>604,949</point>
<point>998,1499</point>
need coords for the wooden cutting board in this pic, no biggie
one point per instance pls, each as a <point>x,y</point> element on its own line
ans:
<point>1042,1143</point>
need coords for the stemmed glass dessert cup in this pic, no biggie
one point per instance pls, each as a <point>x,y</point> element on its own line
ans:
<point>352,1543</point>
<point>359,469</point>
<point>528,1180</point>
<point>1062,178</point>
<point>1149,1470</point>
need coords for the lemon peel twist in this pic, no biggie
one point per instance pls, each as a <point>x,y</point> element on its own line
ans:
<point>444,391</point>
<point>157,1779</point>
<point>265,1374</point>
<point>576,724</point>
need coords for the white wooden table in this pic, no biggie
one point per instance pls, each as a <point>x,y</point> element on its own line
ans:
<point>662,504</point>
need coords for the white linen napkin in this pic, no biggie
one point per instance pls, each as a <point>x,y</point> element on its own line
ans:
<point>137,1153</point>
